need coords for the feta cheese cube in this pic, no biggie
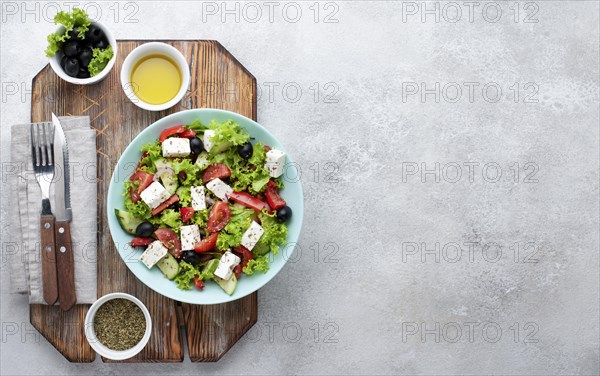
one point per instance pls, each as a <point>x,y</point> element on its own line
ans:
<point>176,147</point>
<point>198,197</point>
<point>190,236</point>
<point>153,254</point>
<point>252,235</point>
<point>202,160</point>
<point>219,188</point>
<point>226,264</point>
<point>155,195</point>
<point>206,140</point>
<point>275,162</point>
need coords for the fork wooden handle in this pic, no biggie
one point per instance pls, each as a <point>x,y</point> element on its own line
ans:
<point>48,251</point>
<point>65,265</point>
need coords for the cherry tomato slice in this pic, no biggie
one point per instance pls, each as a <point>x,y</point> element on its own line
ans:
<point>170,201</point>
<point>207,243</point>
<point>247,200</point>
<point>219,217</point>
<point>188,133</point>
<point>171,132</point>
<point>198,283</point>
<point>186,214</point>
<point>170,240</point>
<point>274,200</point>
<point>218,170</point>
<point>135,197</point>
<point>237,270</point>
<point>145,179</point>
<point>243,253</point>
<point>141,242</point>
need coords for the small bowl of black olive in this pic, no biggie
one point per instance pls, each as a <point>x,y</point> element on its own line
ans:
<point>81,51</point>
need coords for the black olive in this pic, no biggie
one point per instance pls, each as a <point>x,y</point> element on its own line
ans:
<point>72,67</point>
<point>63,62</point>
<point>85,56</point>
<point>283,214</point>
<point>94,34</point>
<point>245,151</point>
<point>192,257</point>
<point>83,73</point>
<point>144,230</point>
<point>74,34</point>
<point>102,43</point>
<point>182,175</point>
<point>70,49</point>
<point>196,145</point>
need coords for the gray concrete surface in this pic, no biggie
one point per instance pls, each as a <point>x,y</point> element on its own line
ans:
<point>448,235</point>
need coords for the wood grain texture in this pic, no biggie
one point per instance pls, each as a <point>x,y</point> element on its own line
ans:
<point>49,279</point>
<point>218,80</point>
<point>64,330</point>
<point>64,265</point>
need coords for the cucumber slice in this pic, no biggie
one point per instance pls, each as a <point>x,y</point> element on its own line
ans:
<point>202,160</point>
<point>127,221</point>
<point>228,285</point>
<point>211,266</point>
<point>260,249</point>
<point>169,180</point>
<point>168,266</point>
<point>221,148</point>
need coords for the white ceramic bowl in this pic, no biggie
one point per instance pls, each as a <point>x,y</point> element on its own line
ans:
<point>151,49</point>
<point>55,60</point>
<point>104,351</point>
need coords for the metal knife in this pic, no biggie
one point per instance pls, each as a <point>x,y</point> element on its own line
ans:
<point>62,211</point>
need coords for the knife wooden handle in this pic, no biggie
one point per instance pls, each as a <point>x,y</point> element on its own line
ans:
<point>47,249</point>
<point>65,265</point>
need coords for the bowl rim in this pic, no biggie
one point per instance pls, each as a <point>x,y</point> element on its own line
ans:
<point>141,51</point>
<point>55,64</point>
<point>100,348</point>
<point>113,226</point>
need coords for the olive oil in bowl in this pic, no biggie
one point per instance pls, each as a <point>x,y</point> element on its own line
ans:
<point>156,79</point>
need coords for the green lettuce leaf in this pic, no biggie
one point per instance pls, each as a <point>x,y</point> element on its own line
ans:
<point>200,218</point>
<point>185,196</point>
<point>227,134</point>
<point>186,274</point>
<point>100,59</point>
<point>153,152</point>
<point>275,234</point>
<point>231,235</point>
<point>168,218</point>
<point>259,264</point>
<point>139,209</point>
<point>77,18</point>
<point>197,126</point>
<point>187,271</point>
<point>248,175</point>
<point>190,169</point>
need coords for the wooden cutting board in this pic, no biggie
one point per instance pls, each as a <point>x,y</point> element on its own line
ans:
<point>218,80</point>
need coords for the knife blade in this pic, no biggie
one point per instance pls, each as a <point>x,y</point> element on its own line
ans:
<point>62,228</point>
<point>62,184</point>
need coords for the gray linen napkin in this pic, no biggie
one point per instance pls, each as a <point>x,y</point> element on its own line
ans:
<point>23,250</point>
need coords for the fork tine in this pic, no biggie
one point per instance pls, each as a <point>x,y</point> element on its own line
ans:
<point>42,148</point>
<point>46,146</point>
<point>33,146</point>
<point>51,143</point>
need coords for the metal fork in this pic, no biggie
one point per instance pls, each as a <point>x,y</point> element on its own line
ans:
<point>42,153</point>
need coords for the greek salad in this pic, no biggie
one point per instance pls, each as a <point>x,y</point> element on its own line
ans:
<point>203,203</point>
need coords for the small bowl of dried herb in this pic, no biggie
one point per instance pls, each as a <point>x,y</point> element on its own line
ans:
<point>118,326</point>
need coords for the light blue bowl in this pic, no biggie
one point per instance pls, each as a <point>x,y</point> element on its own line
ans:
<point>153,278</point>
